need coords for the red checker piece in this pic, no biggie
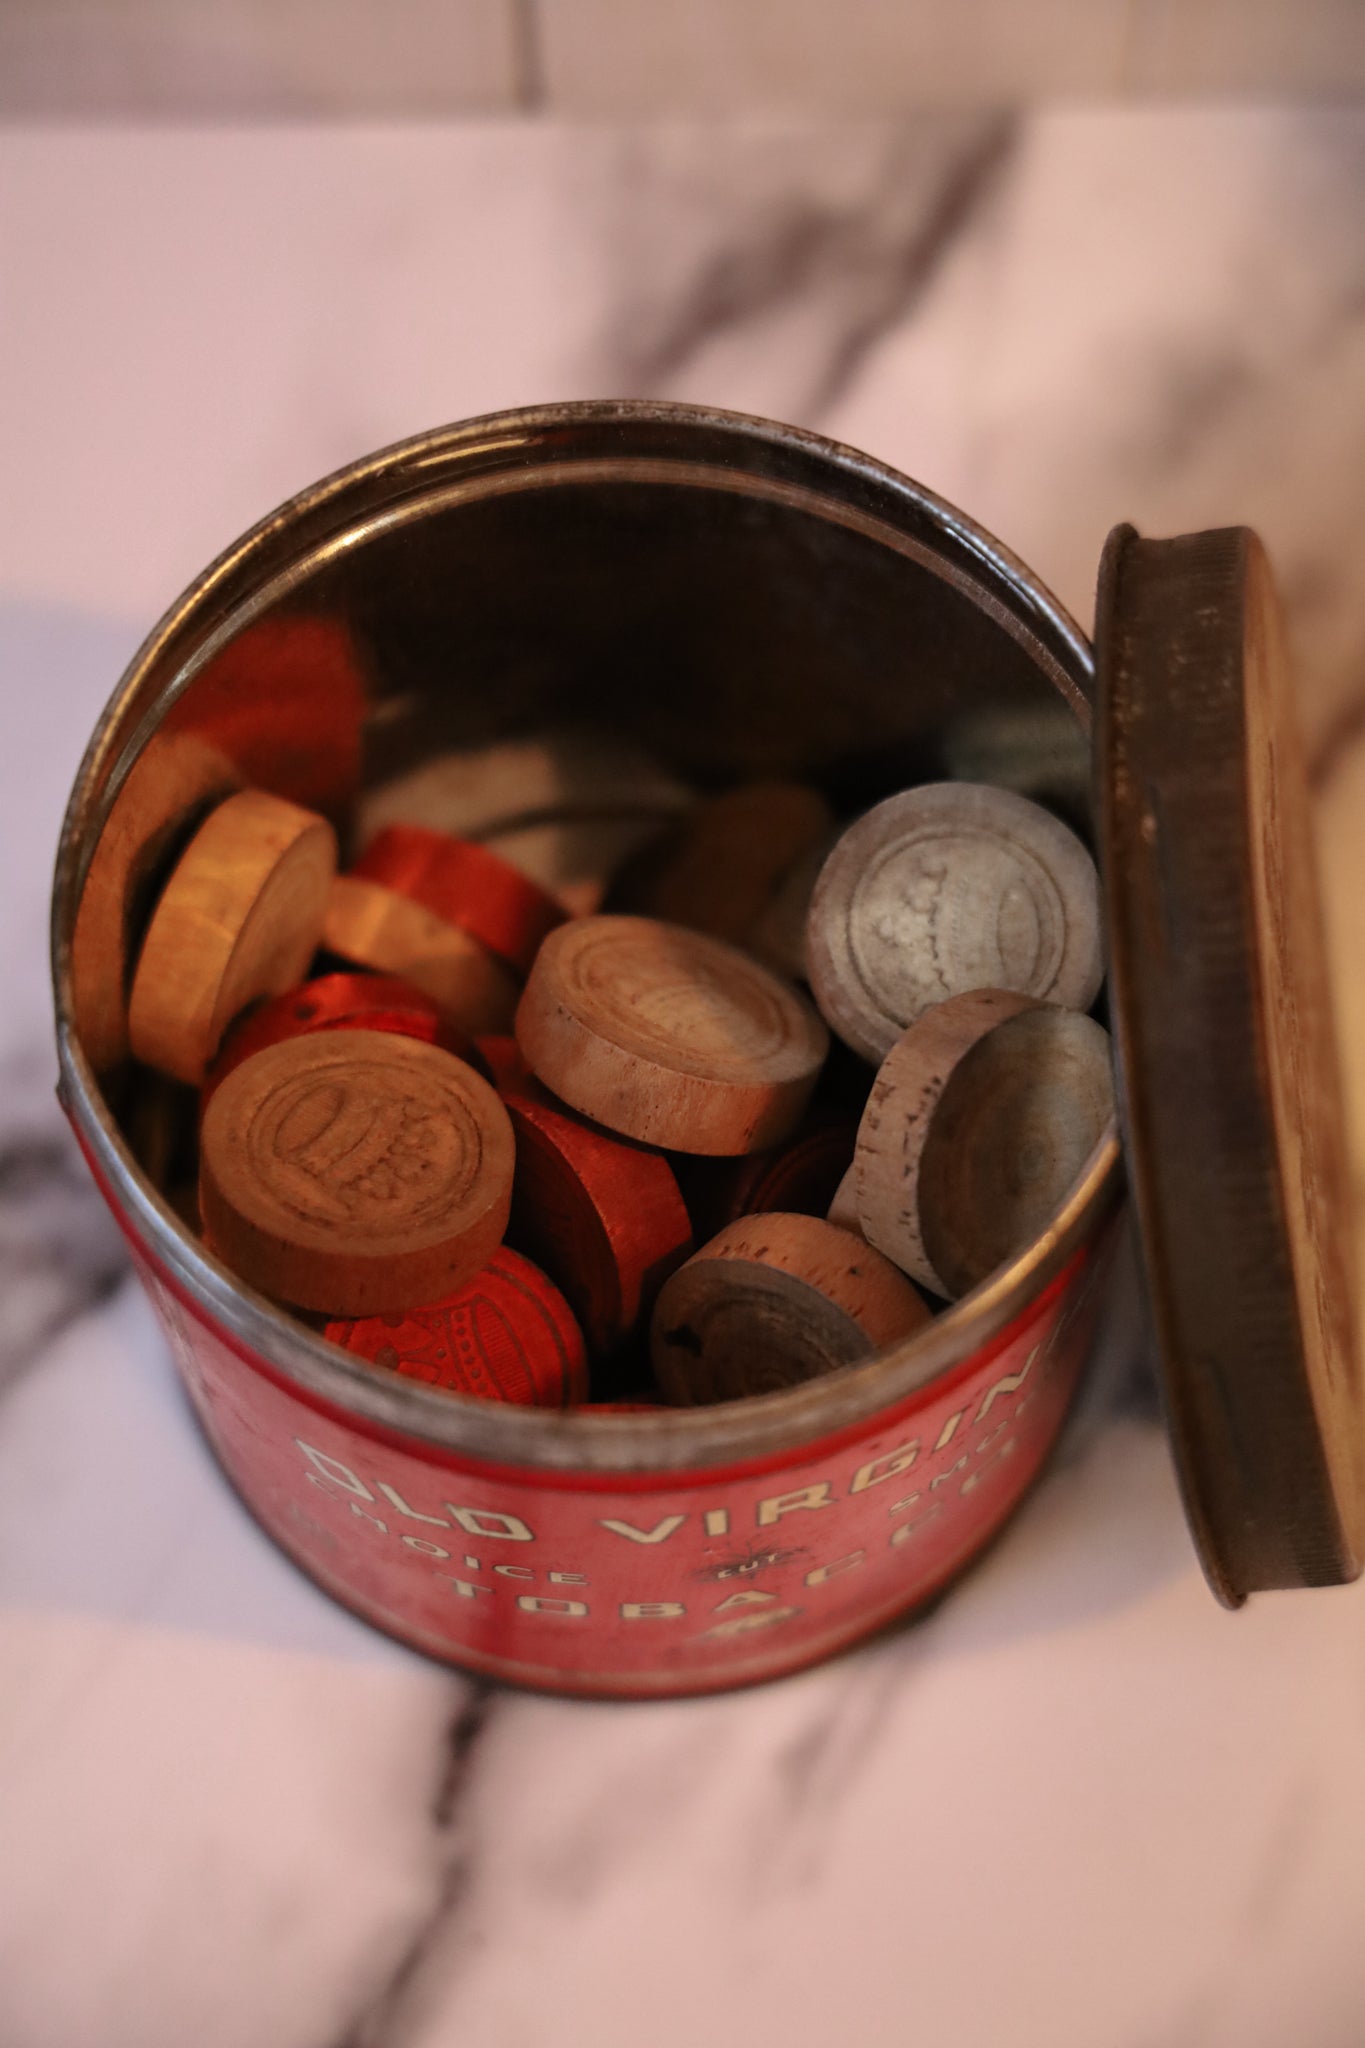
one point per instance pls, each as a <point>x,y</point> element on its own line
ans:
<point>468,886</point>
<point>506,1335</point>
<point>506,1064</point>
<point>796,1179</point>
<point>604,1215</point>
<point>343,1002</point>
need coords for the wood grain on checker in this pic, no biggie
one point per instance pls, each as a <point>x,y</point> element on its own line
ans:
<point>506,1335</point>
<point>176,777</point>
<point>355,1172</point>
<point>774,1300</point>
<point>377,928</point>
<point>238,919</point>
<point>604,1216</point>
<point>895,1122</point>
<point>980,1120</point>
<point>1021,1113</point>
<point>944,888</point>
<point>669,1036</point>
<point>343,1002</point>
<point>467,885</point>
<point>843,1208</point>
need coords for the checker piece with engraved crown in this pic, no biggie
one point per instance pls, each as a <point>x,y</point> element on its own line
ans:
<point>355,1172</point>
<point>945,888</point>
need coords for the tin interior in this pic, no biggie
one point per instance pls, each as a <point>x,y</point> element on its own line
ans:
<point>734,598</point>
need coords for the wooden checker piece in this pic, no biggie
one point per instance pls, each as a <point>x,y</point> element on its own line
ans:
<point>175,779</point>
<point>378,928</point>
<point>604,1216</point>
<point>774,1300</point>
<point>238,919</point>
<point>669,1036</point>
<point>733,855</point>
<point>343,1002</point>
<point>981,1118</point>
<point>843,1208</point>
<point>355,1172</point>
<point>466,884</point>
<point>506,1335</point>
<point>945,888</point>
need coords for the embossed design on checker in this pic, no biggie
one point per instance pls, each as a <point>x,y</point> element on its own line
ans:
<point>355,1171</point>
<point>506,1335</point>
<point>332,1150</point>
<point>940,905</point>
<point>943,889</point>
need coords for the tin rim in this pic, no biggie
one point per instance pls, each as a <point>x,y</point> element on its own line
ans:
<point>487,456</point>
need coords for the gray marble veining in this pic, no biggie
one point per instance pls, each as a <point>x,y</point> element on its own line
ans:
<point>383,2022</point>
<point>827,249</point>
<point>60,1252</point>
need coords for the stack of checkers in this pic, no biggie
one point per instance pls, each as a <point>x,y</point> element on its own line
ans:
<point>613,1159</point>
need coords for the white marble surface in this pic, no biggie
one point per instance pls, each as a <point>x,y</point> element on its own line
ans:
<point>1078,1804</point>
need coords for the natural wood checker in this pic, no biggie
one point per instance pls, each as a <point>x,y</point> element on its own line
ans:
<point>843,1209</point>
<point>238,919</point>
<point>174,777</point>
<point>669,1036</point>
<point>979,1122</point>
<point>355,1172</point>
<point>506,1335</point>
<point>377,928</point>
<point>895,1121</point>
<point>945,888</point>
<point>1022,1113</point>
<point>774,1300</point>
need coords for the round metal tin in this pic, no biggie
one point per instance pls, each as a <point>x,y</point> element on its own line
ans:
<point>771,583</point>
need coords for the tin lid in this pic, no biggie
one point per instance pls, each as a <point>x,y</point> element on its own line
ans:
<point>1229,1089</point>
